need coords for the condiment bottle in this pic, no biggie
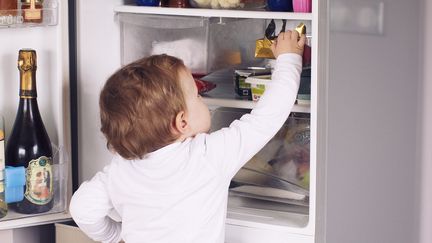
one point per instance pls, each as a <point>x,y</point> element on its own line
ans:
<point>177,3</point>
<point>32,11</point>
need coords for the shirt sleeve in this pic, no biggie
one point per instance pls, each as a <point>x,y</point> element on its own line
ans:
<point>230,148</point>
<point>90,207</point>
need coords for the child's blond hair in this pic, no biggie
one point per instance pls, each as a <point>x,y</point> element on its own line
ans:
<point>139,103</point>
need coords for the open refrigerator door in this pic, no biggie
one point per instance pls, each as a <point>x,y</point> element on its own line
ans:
<point>43,27</point>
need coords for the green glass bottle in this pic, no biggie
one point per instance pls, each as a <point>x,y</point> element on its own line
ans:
<point>28,144</point>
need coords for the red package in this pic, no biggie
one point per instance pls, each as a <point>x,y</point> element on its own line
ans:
<point>204,86</point>
<point>307,56</point>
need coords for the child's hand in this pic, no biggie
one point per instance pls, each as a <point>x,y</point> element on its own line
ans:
<point>288,42</point>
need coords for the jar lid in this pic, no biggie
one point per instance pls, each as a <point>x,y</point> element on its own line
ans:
<point>29,1</point>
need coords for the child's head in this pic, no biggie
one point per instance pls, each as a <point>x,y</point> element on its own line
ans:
<point>149,104</point>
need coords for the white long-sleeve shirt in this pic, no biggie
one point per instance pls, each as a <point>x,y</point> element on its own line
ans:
<point>179,193</point>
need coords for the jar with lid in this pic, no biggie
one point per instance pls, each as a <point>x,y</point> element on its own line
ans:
<point>32,11</point>
<point>8,7</point>
<point>175,3</point>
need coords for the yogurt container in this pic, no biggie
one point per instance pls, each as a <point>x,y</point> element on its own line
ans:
<point>258,84</point>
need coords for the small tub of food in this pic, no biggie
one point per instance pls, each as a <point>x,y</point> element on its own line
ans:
<point>258,84</point>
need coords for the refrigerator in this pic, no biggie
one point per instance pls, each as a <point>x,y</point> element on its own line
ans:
<point>363,116</point>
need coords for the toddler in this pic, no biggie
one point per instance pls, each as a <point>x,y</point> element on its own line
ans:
<point>168,180</point>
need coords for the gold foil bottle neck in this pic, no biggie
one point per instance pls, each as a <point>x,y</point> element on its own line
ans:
<point>27,60</point>
<point>27,66</point>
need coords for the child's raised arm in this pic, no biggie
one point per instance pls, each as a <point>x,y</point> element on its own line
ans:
<point>230,148</point>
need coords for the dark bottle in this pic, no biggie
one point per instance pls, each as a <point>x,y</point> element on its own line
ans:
<point>28,144</point>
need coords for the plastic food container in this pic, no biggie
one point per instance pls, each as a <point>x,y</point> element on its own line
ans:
<point>242,88</point>
<point>304,93</point>
<point>258,84</point>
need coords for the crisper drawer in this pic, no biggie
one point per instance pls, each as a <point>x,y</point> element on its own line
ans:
<point>272,187</point>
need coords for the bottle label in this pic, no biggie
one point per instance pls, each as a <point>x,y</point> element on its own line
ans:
<point>2,158</point>
<point>39,181</point>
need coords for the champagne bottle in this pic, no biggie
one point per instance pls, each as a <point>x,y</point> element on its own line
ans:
<point>29,144</point>
<point>3,204</point>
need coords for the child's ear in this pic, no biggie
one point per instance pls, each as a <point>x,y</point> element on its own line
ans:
<point>180,123</point>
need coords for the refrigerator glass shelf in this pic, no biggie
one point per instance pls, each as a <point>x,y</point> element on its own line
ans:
<point>245,104</point>
<point>201,12</point>
<point>14,18</point>
<point>224,94</point>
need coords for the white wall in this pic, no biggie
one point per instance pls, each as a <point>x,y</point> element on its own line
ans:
<point>426,169</point>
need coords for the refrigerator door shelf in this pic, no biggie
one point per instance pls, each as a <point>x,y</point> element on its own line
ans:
<point>59,180</point>
<point>16,18</point>
<point>34,220</point>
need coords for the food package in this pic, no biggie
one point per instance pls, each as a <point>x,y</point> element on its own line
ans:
<point>204,86</point>
<point>241,87</point>
<point>263,46</point>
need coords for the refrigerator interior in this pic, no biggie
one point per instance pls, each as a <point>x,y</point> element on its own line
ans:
<point>50,40</point>
<point>266,188</point>
<point>129,34</point>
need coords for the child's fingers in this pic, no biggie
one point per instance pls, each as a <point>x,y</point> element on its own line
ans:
<point>281,36</point>
<point>294,35</point>
<point>302,40</point>
<point>288,34</point>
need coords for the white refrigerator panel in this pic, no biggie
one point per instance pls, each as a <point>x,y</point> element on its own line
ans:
<point>98,53</point>
<point>426,131</point>
<point>371,192</point>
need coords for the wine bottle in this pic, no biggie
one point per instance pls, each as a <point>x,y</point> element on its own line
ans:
<point>3,204</point>
<point>29,144</point>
